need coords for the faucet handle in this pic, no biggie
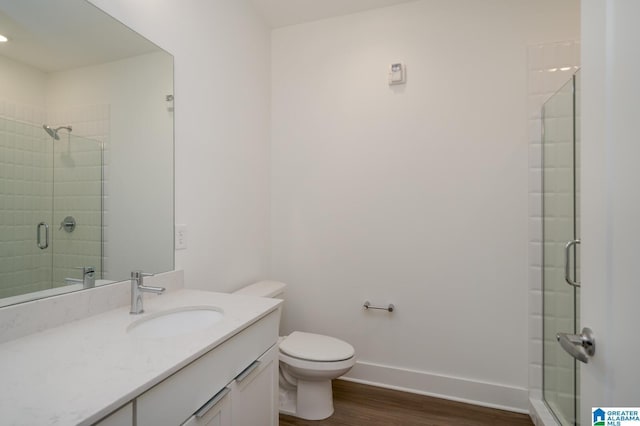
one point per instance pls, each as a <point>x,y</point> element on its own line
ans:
<point>137,277</point>
<point>137,274</point>
<point>86,269</point>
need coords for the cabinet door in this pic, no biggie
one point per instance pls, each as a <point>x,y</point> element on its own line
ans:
<point>121,417</point>
<point>216,412</point>
<point>254,397</point>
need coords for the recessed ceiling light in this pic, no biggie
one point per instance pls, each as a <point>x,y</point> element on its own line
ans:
<point>3,39</point>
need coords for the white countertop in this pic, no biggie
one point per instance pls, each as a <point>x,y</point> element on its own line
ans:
<point>81,371</point>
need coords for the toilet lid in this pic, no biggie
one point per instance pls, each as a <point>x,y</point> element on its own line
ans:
<point>316,347</point>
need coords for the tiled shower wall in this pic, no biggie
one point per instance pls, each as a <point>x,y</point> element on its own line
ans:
<point>550,67</point>
<point>25,157</point>
<point>25,186</point>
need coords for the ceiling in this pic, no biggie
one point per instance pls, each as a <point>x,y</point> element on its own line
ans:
<point>281,13</point>
<point>65,34</point>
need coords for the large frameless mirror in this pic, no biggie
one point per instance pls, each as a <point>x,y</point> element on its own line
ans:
<point>86,150</point>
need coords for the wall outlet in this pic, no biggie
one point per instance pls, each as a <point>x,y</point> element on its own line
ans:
<point>181,237</point>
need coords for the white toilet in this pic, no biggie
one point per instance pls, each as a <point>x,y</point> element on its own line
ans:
<point>308,363</point>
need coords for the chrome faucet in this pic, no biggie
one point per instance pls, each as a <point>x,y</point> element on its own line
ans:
<point>88,277</point>
<point>137,288</point>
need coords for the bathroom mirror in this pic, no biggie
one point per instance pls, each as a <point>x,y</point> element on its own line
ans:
<point>86,150</point>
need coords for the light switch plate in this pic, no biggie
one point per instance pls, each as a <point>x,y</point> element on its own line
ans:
<point>397,74</point>
<point>181,237</point>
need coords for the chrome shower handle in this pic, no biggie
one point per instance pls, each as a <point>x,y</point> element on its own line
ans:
<point>567,266</point>
<point>68,223</point>
<point>580,346</point>
<point>42,245</point>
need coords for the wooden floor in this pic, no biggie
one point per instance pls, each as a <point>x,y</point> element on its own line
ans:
<point>360,405</point>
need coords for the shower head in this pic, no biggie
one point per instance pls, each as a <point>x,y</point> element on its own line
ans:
<point>54,132</point>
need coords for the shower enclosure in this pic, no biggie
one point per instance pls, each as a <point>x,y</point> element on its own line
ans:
<point>561,239</point>
<point>51,207</point>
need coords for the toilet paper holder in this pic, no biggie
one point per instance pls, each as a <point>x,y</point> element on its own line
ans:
<point>390,308</point>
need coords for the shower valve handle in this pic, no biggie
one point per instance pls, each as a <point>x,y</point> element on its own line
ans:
<point>68,223</point>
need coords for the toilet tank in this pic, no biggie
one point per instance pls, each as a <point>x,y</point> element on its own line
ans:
<point>272,289</point>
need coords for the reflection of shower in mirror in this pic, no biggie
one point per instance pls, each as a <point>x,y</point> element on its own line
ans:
<point>68,76</point>
<point>54,132</point>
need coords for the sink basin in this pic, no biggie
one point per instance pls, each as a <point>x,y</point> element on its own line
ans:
<point>176,322</point>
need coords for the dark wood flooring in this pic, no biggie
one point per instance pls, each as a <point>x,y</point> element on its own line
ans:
<point>361,405</point>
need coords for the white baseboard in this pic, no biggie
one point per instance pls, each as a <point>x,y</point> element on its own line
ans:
<point>453,388</point>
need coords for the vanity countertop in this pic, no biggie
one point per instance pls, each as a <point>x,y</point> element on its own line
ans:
<point>81,371</point>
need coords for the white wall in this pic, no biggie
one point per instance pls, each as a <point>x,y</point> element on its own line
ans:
<point>610,202</point>
<point>222,92</point>
<point>415,195</point>
<point>23,91</point>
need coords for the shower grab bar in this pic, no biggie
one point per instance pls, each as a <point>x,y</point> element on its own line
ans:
<point>567,266</point>
<point>389,308</point>
<point>42,245</point>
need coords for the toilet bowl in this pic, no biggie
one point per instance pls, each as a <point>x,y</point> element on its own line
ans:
<point>308,364</point>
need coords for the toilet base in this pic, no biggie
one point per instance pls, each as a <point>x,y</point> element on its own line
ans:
<point>311,400</point>
<point>288,401</point>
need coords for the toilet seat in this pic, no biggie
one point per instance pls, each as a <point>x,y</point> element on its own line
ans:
<point>315,348</point>
<point>319,366</point>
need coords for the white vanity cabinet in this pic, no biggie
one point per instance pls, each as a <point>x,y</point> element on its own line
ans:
<point>249,400</point>
<point>192,394</point>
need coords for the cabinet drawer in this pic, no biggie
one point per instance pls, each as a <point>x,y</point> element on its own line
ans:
<point>174,400</point>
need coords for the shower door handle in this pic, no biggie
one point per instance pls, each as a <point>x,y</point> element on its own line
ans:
<point>567,263</point>
<point>42,245</point>
<point>580,346</point>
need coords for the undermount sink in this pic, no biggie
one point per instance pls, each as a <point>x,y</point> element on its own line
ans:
<point>176,322</point>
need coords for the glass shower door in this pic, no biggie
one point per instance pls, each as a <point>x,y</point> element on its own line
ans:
<point>560,241</point>
<point>50,209</point>
<point>77,208</point>
<point>26,182</point>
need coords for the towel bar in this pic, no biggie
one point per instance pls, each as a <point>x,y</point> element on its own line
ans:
<point>389,308</point>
